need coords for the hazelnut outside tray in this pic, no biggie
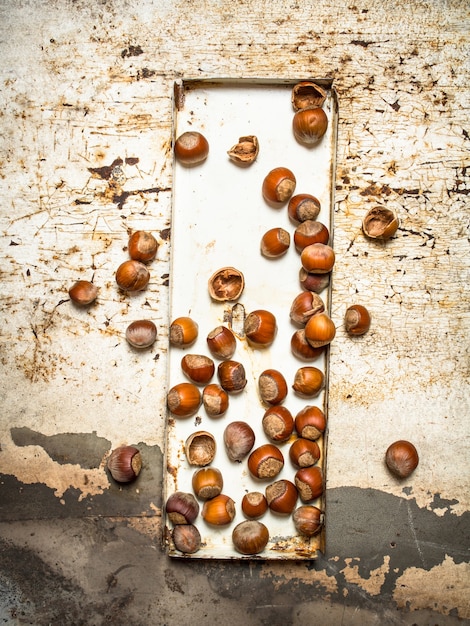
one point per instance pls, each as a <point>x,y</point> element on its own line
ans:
<point>219,217</point>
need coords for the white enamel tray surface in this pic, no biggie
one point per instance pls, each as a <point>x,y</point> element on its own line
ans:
<point>219,217</point>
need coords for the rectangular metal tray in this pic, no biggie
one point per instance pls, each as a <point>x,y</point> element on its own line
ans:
<point>218,219</point>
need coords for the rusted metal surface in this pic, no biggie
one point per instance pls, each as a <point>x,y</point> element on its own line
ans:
<point>86,157</point>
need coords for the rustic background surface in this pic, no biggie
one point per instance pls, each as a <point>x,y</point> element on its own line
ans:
<point>86,97</point>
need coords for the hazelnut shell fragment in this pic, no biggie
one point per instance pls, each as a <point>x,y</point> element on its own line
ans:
<point>307,94</point>
<point>245,151</point>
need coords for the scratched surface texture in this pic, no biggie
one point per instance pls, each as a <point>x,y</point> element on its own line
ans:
<point>85,158</point>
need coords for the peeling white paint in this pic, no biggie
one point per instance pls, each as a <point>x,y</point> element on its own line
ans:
<point>373,584</point>
<point>32,465</point>
<point>444,588</point>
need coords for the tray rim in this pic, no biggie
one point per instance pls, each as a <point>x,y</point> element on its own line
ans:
<point>180,86</point>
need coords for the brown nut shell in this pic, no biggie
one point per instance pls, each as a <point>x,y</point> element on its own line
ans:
<point>124,463</point>
<point>207,482</point>
<point>182,508</point>
<point>260,328</point>
<point>219,511</point>
<point>301,348</point>
<point>250,537</point>
<point>309,232</point>
<point>254,504</point>
<point>310,422</point>
<point>278,423</point>
<point>132,276</point>
<point>200,448</point>
<point>83,292</point>
<point>309,125</point>
<point>303,207</point>
<point>304,306</point>
<point>313,282</point>
<point>308,520</point>
<point>142,246</point>
<point>282,496</point>
<point>320,330</point>
<point>199,368</point>
<point>278,186</point>
<point>226,284</point>
<point>309,483</point>
<point>275,243</point>
<point>308,381</point>
<point>221,342</point>
<point>183,332</point>
<point>402,458</point>
<point>272,387</point>
<point>357,320</point>
<point>232,376</point>
<point>186,538</point>
<point>141,334</point>
<point>266,461</point>
<point>380,223</point>
<point>215,400</point>
<point>304,453</point>
<point>191,148</point>
<point>184,399</point>
<point>317,258</point>
<point>239,439</point>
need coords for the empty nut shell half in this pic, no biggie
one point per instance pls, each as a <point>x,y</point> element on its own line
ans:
<point>307,94</point>
<point>380,223</point>
<point>200,448</point>
<point>226,284</point>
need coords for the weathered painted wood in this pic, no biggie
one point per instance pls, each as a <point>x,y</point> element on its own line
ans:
<point>86,157</point>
